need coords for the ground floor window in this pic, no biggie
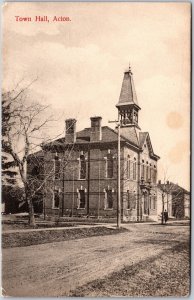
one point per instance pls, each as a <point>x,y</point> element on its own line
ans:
<point>82,199</point>
<point>108,199</point>
<point>56,199</point>
<point>131,200</point>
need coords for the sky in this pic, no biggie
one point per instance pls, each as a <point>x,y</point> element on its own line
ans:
<point>80,65</point>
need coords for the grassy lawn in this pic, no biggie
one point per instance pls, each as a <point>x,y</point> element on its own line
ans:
<point>164,275</point>
<point>21,239</point>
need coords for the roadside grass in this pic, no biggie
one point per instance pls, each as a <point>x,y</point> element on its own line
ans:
<point>22,239</point>
<point>20,225</point>
<point>164,275</point>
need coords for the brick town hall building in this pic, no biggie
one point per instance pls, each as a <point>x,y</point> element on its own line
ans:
<point>83,167</point>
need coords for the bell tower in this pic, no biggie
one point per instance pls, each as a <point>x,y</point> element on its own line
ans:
<point>127,106</point>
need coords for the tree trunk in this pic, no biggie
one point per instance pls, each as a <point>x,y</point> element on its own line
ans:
<point>23,173</point>
<point>31,220</point>
<point>31,213</point>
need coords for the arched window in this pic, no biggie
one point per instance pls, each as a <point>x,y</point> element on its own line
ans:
<point>82,167</point>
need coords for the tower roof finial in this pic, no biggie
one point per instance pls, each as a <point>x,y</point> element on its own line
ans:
<point>130,68</point>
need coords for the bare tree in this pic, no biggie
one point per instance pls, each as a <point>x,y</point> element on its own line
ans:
<point>28,120</point>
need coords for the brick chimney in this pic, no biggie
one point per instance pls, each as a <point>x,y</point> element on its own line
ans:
<point>96,129</point>
<point>70,130</point>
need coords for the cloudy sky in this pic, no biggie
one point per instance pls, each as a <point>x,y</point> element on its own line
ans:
<point>80,65</point>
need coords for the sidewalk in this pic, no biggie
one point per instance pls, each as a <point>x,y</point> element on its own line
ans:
<point>107,225</point>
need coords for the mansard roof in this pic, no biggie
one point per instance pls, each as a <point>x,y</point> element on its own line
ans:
<point>129,137</point>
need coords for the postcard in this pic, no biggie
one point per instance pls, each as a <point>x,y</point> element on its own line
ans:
<point>96,149</point>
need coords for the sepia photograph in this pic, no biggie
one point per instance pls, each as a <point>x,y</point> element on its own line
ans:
<point>96,160</point>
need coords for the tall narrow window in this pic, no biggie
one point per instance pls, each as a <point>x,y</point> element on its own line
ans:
<point>108,199</point>
<point>150,173</point>
<point>82,199</point>
<point>142,171</point>
<point>131,200</point>
<point>147,173</point>
<point>57,167</point>
<point>109,165</point>
<point>128,206</point>
<point>56,199</point>
<point>82,167</point>
<point>154,175</point>
<point>134,170</point>
<point>128,167</point>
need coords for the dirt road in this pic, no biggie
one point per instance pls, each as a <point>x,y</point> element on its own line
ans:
<point>56,268</point>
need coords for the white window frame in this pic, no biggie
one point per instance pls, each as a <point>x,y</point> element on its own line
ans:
<point>106,165</point>
<point>78,197</point>
<point>79,160</point>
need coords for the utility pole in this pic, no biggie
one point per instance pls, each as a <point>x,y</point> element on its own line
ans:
<point>118,175</point>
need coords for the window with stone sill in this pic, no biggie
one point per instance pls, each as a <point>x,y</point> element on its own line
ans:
<point>82,174</point>
<point>108,199</point>
<point>109,166</point>
<point>56,199</point>
<point>142,171</point>
<point>134,170</point>
<point>128,168</point>
<point>81,199</point>
<point>147,173</point>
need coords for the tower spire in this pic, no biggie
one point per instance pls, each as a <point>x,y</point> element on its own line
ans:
<point>128,105</point>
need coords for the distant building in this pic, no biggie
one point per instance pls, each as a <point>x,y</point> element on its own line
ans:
<point>176,200</point>
<point>80,170</point>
